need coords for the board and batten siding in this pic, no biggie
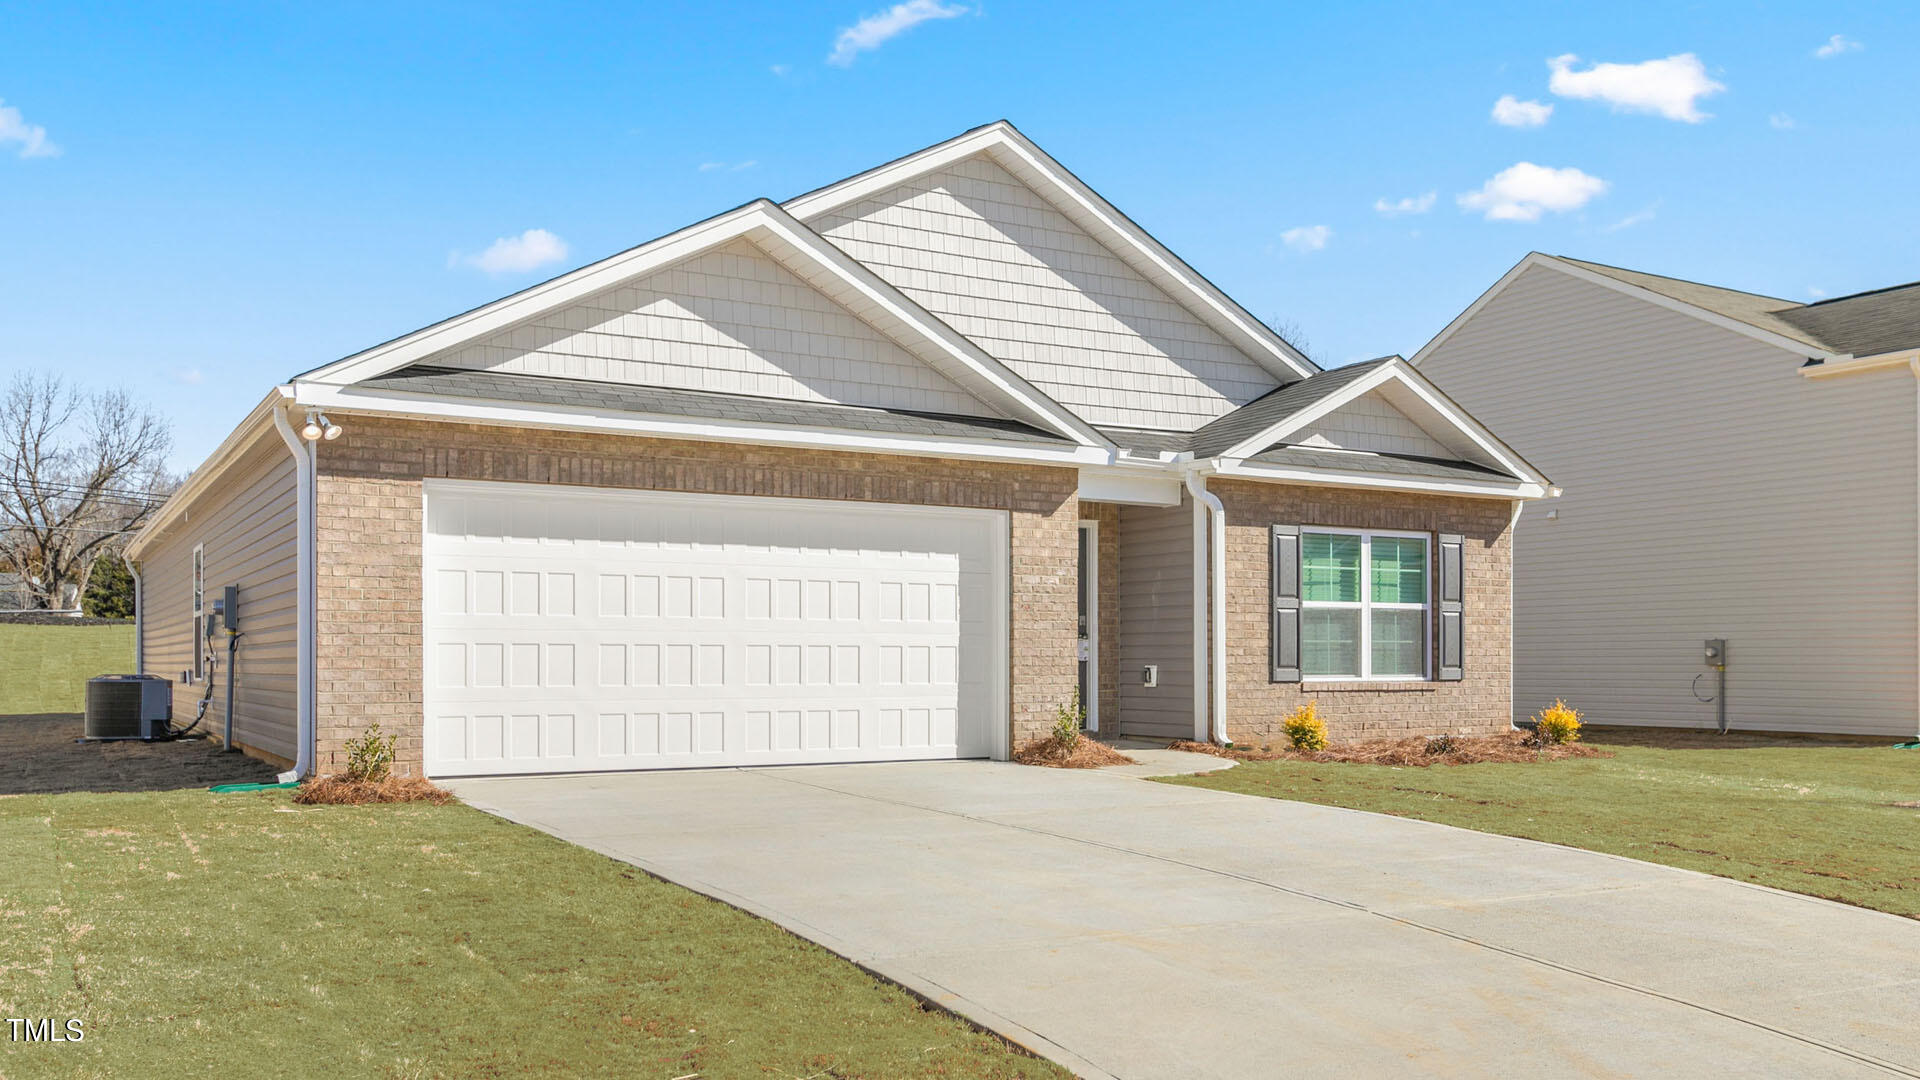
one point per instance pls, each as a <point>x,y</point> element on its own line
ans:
<point>1001,265</point>
<point>246,522</point>
<point>1711,491</point>
<point>1156,620</point>
<point>732,320</point>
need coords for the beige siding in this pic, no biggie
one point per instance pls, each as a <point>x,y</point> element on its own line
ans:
<point>1156,619</point>
<point>1000,264</point>
<point>247,523</point>
<point>1371,423</point>
<point>731,320</point>
<point>1711,491</point>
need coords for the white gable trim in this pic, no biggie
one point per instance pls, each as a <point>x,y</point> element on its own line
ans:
<point>1400,373</point>
<point>1031,165</point>
<point>1492,487</point>
<point>821,264</point>
<point>1536,259</point>
<point>341,402</point>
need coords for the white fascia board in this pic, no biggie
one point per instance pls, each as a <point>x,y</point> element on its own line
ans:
<point>1853,365</point>
<point>1071,195</point>
<point>1401,373</point>
<point>241,438</point>
<point>1536,259</point>
<point>1255,470</point>
<point>341,400</point>
<point>1152,485</point>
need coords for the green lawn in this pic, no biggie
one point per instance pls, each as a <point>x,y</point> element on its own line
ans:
<point>1793,814</point>
<point>240,935</point>
<point>44,669</point>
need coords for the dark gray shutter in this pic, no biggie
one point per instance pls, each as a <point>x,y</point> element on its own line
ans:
<point>1452,593</point>
<point>1286,603</point>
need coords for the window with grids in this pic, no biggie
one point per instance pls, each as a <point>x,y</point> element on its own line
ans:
<point>1363,605</point>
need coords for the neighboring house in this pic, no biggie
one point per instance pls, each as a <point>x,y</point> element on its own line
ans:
<point>890,470</point>
<point>1737,466</point>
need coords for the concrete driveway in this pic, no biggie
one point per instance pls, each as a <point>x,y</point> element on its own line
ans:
<point>1134,929</point>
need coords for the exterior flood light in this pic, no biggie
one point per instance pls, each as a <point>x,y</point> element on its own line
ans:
<point>319,427</point>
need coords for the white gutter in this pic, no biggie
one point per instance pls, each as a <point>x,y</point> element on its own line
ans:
<point>305,588</point>
<point>139,618</point>
<point>1209,608</point>
<point>1852,365</point>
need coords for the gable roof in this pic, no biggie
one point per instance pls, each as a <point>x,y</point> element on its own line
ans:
<point>824,266</point>
<point>1861,325</point>
<point>1864,324</point>
<point>1256,432</point>
<point>1018,155</point>
<point>610,397</point>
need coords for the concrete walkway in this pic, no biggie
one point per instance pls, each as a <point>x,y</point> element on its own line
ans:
<point>1133,929</point>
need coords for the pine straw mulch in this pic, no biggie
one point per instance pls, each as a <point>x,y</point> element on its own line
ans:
<point>1417,751</point>
<point>1086,754</point>
<point>346,791</point>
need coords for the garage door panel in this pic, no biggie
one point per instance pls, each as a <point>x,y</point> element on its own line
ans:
<point>572,631</point>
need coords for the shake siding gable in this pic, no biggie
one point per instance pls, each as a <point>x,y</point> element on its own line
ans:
<point>732,320</point>
<point>984,252</point>
<point>1711,491</point>
<point>1371,423</point>
<point>247,526</point>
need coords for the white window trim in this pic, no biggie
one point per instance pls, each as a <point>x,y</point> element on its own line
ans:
<point>197,583</point>
<point>1366,605</point>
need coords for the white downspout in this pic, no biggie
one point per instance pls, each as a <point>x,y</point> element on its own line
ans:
<point>139,618</point>
<point>1212,611</point>
<point>305,590</point>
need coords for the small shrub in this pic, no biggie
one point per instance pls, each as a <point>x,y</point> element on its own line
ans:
<point>1442,744</point>
<point>1556,724</point>
<point>370,757</point>
<point>1305,730</point>
<point>1067,722</point>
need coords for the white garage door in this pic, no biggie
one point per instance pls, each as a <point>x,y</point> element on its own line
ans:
<point>570,630</point>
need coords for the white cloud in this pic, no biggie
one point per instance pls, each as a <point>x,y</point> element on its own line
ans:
<point>1781,121</point>
<point>878,29</point>
<point>722,166</point>
<point>1816,292</point>
<point>1525,191</point>
<point>31,137</point>
<point>1307,237</point>
<point>516,254</point>
<point>1412,204</point>
<point>190,376</point>
<point>1837,44</point>
<point>780,70</point>
<point>1510,111</point>
<point>1671,87</point>
<point>1638,217</point>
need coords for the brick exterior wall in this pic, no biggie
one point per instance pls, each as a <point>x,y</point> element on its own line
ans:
<point>369,533</point>
<point>1478,704</point>
<point>1108,592</point>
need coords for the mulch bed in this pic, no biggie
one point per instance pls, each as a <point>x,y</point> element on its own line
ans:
<point>1417,751</point>
<point>38,756</point>
<point>48,618</point>
<point>345,791</point>
<point>1086,754</point>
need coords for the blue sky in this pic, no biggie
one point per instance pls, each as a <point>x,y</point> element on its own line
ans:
<point>202,200</point>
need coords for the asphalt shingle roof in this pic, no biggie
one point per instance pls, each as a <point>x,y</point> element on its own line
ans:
<point>1864,324</point>
<point>699,404</point>
<point>1263,412</point>
<point>1391,464</point>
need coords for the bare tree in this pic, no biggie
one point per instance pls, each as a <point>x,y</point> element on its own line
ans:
<point>1291,333</point>
<point>78,473</point>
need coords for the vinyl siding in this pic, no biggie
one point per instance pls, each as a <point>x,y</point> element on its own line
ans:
<point>983,251</point>
<point>732,320</point>
<point>1711,491</point>
<point>1371,423</point>
<point>247,523</point>
<point>1156,619</point>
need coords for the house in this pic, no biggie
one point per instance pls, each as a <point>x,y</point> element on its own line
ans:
<point>891,470</point>
<point>1738,468</point>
